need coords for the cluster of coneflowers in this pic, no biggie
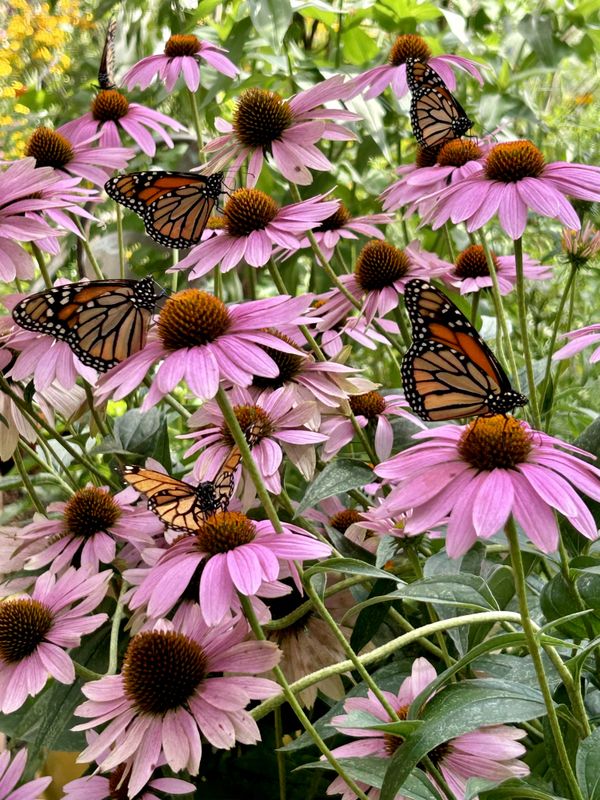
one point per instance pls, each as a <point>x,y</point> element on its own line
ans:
<point>197,655</point>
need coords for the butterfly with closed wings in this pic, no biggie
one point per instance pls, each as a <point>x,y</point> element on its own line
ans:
<point>436,116</point>
<point>103,322</point>
<point>180,505</point>
<point>174,206</point>
<point>449,372</point>
<point>106,70</point>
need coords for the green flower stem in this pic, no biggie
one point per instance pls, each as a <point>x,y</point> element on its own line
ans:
<point>218,283</point>
<point>120,241</point>
<point>385,651</point>
<point>279,755</point>
<point>399,317</point>
<point>500,312</point>
<point>240,440</point>
<point>102,427</point>
<point>535,653</point>
<point>554,334</point>
<point>334,278</point>
<point>171,401</point>
<point>418,571</point>
<point>197,123</point>
<point>282,289</point>
<point>47,468</point>
<point>39,257</point>
<point>439,778</point>
<point>323,611</point>
<point>449,243</point>
<point>118,614</point>
<point>85,673</point>
<point>39,506</point>
<point>39,420</point>
<point>405,625</point>
<point>474,307</point>
<point>174,275</point>
<point>280,285</point>
<point>87,248</point>
<point>535,409</point>
<point>295,705</point>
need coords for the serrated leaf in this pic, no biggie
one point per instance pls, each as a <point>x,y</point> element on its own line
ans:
<point>338,477</point>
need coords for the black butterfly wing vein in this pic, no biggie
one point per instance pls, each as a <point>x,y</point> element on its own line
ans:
<point>174,206</point>
<point>103,322</point>
<point>449,371</point>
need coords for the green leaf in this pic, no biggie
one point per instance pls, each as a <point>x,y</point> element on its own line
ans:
<point>271,19</point>
<point>462,591</point>
<point>338,477</point>
<point>458,709</point>
<point>557,601</point>
<point>371,770</point>
<point>588,766</point>
<point>349,566</point>
<point>370,619</point>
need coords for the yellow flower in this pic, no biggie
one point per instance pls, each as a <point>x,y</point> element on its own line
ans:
<point>5,68</point>
<point>21,109</point>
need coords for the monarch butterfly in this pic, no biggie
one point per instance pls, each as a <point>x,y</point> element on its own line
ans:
<point>449,371</point>
<point>436,116</point>
<point>178,504</point>
<point>103,322</point>
<point>175,206</point>
<point>106,71</point>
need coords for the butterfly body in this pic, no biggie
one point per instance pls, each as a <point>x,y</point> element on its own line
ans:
<point>436,115</point>
<point>180,505</point>
<point>103,322</point>
<point>174,206</point>
<point>449,372</point>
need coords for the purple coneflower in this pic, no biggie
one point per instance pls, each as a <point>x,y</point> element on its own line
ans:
<point>431,172</point>
<point>11,773</point>
<point>359,330</point>
<point>20,187</point>
<point>171,690</point>
<point>252,225</point>
<point>36,629</point>
<point>380,274</point>
<point>373,408</point>
<point>90,525</point>
<point>342,225</point>
<point>470,272</point>
<point>410,45</point>
<point>490,752</point>
<point>115,786</point>
<point>581,246</point>
<point>266,124</point>
<point>479,474</point>
<point>277,425</point>
<point>76,156</point>
<point>182,56</point>
<point>327,382</point>
<point>308,644</point>
<point>111,114</point>
<point>236,554</point>
<point>580,339</point>
<point>201,340</point>
<point>515,177</point>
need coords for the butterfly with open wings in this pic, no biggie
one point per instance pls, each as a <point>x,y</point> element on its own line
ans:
<point>174,206</point>
<point>449,372</point>
<point>103,322</point>
<point>180,505</point>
